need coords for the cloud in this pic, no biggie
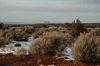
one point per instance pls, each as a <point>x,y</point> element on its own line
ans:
<point>67,6</point>
<point>27,10</point>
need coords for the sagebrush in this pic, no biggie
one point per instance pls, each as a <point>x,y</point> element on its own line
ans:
<point>86,48</point>
<point>21,51</point>
<point>50,43</point>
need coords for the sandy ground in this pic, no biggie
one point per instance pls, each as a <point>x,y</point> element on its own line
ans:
<point>31,60</point>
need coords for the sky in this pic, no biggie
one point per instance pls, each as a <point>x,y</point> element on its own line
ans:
<point>53,11</point>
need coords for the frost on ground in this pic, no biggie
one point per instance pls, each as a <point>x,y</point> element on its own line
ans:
<point>10,48</point>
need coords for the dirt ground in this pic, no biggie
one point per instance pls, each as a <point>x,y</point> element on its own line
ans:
<point>31,60</point>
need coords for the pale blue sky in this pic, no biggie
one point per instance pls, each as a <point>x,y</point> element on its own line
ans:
<point>49,10</point>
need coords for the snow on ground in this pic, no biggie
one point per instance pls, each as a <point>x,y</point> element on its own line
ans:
<point>10,48</point>
<point>66,52</point>
<point>69,54</point>
<point>30,39</point>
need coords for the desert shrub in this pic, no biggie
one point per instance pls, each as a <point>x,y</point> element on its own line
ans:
<point>18,29</point>
<point>52,28</point>
<point>1,25</point>
<point>64,30</point>
<point>17,45</point>
<point>30,30</point>
<point>3,41</point>
<point>9,35</point>
<point>89,29</point>
<point>61,29</point>
<point>20,36</point>
<point>1,33</point>
<point>66,25</point>
<point>17,33</point>
<point>95,32</point>
<point>67,32</point>
<point>76,28</point>
<point>12,28</point>
<point>7,31</point>
<point>86,48</point>
<point>40,32</point>
<point>2,48</point>
<point>5,27</point>
<point>35,35</point>
<point>37,26</point>
<point>68,39</point>
<point>43,26</point>
<point>49,43</point>
<point>20,51</point>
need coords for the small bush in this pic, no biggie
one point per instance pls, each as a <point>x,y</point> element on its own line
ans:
<point>37,26</point>
<point>66,25</point>
<point>3,41</point>
<point>49,43</point>
<point>9,35</point>
<point>40,32</point>
<point>2,48</point>
<point>20,51</point>
<point>86,48</point>
<point>52,28</point>
<point>1,25</point>
<point>43,26</point>
<point>95,32</point>
<point>30,30</point>
<point>17,33</point>
<point>64,30</point>
<point>17,45</point>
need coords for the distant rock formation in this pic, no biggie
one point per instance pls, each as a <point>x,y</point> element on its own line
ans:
<point>44,22</point>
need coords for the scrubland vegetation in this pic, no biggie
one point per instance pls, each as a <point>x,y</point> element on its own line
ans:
<point>86,48</point>
<point>50,43</point>
<point>20,52</point>
<point>85,42</point>
<point>16,33</point>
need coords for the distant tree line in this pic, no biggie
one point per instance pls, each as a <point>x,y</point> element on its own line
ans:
<point>42,26</point>
<point>1,25</point>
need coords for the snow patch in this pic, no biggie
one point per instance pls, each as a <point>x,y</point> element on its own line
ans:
<point>10,48</point>
<point>66,52</point>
